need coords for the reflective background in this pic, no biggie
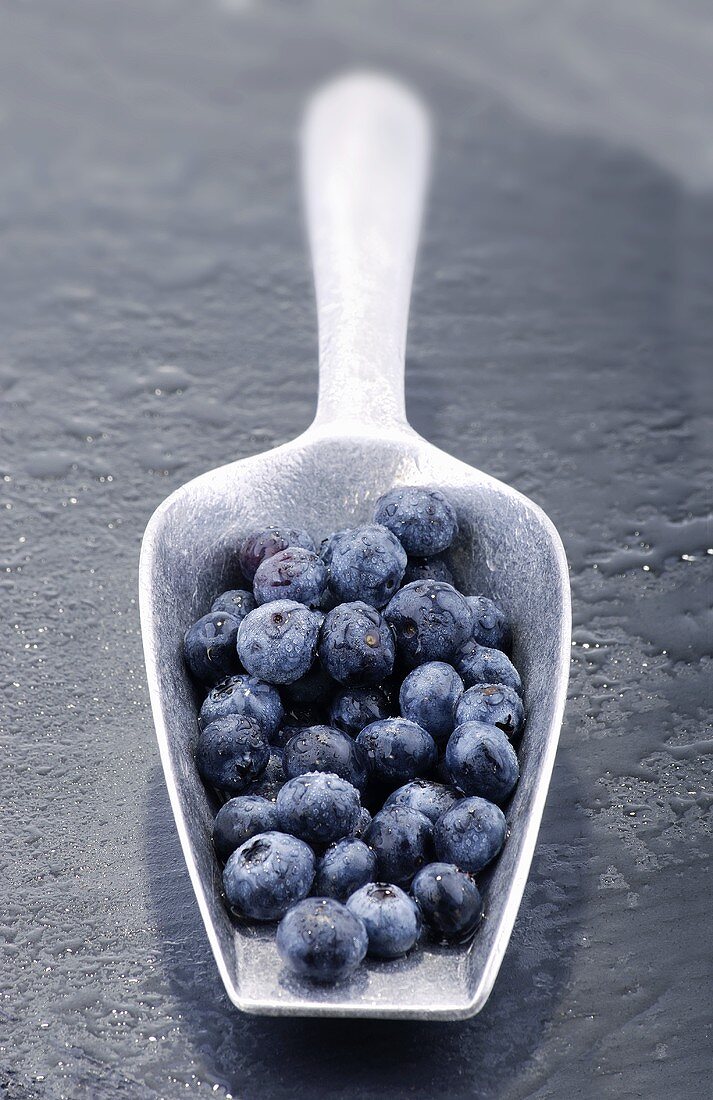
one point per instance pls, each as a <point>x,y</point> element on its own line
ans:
<point>157,319</point>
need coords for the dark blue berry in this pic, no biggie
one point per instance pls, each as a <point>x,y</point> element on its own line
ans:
<point>449,901</point>
<point>291,574</point>
<point>269,783</point>
<point>391,918</point>
<point>470,834</point>
<point>479,664</point>
<point>231,752</point>
<point>366,564</point>
<point>321,940</point>
<point>241,818</point>
<point>323,749</point>
<point>238,602</point>
<point>354,708</point>
<point>429,798</point>
<point>481,761</point>
<point>318,807</point>
<point>429,696</point>
<point>427,569</point>
<point>431,622</point>
<point>244,694</point>
<point>490,627</point>
<point>263,544</point>
<point>362,824</point>
<point>209,647</point>
<point>267,874</point>
<point>356,645</point>
<point>278,641</point>
<point>343,868</point>
<point>397,750</point>
<point>402,839</point>
<point>496,704</point>
<point>423,520</point>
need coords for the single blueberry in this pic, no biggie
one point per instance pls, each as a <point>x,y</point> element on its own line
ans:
<point>402,839</point>
<point>321,940</point>
<point>318,807</point>
<point>362,824</point>
<point>323,749</point>
<point>449,901</point>
<point>397,750</point>
<point>343,868</point>
<point>231,752</point>
<point>239,819</point>
<point>496,704</point>
<point>326,547</point>
<point>263,544</point>
<point>269,783</point>
<point>423,520</point>
<point>429,798</point>
<point>391,918</point>
<point>481,761</point>
<point>209,647</point>
<point>431,622</point>
<point>470,834</point>
<point>490,627</point>
<point>278,641</point>
<point>291,574</point>
<point>356,645</point>
<point>267,874</point>
<point>427,569</point>
<point>238,602</point>
<point>429,696</point>
<point>354,708</point>
<point>477,664</point>
<point>244,694</point>
<point>366,564</point>
<point>316,686</point>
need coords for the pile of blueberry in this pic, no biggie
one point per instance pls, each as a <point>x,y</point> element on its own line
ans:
<point>356,680</point>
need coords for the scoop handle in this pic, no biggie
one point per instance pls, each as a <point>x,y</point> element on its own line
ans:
<point>365,154</point>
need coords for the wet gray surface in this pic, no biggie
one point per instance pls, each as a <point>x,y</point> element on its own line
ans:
<point>156,317</point>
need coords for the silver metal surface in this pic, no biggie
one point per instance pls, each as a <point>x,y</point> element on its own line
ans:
<point>365,155</point>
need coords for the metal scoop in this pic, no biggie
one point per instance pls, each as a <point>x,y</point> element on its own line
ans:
<point>365,152</point>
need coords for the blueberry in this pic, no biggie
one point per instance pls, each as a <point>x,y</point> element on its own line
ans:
<point>365,564</point>
<point>490,627</point>
<point>269,783</point>
<point>427,569</point>
<point>431,622</point>
<point>362,824</point>
<point>231,752</point>
<point>291,574</point>
<point>263,544</point>
<point>497,704</point>
<point>391,918</point>
<point>241,818</point>
<point>402,839</point>
<point>429,798</point>
<point>209,647</point>
<point>243,694</point>
<point>320,939</point>
<point>343,868</point>
<point>326,548</point>
<point>479,664</point>
<point>397,750</point>
<point>237,602</point>
<point>323,749</point>
<point>354,708</point>
<point>319,807</point>
<point>316,686</point>
<point>429,696</point>
<point>449,901</point>
<point>470,834</point>
<point>268,874</point>
<point>481,761</point>
<point>423,520</point>
<point>278,641</point>
<point>356,645</point>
